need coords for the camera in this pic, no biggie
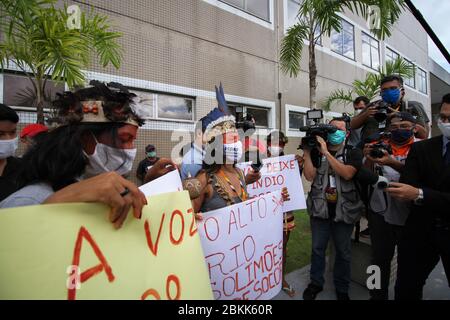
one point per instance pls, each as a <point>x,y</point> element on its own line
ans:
<point>309,142</point>
<point>257,165</point>
<point>378,148</point>
<point>245,123</point>
<point>378,144</point>
<point>322,130</point>
<point>382,110</point>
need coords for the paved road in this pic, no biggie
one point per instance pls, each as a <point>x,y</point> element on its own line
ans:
<point>436,288</point>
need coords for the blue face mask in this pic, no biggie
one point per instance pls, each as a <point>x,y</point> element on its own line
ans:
<point>391,96</point>
<point>337,137</point>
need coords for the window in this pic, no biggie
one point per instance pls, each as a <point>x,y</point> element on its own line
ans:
<point>343,42</point>
<point>167,107</point>
<point>292,10</point>
<point>258,8</point>
<point>411,82</point>
<point>261,115</point>
<point>175,108</point>
<point>422,80</point>
<point>19,92</point>
<point>391,55</point>
<point>370,51</point>
<point>296,120</point>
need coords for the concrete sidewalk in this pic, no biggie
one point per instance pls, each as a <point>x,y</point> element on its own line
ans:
<point>436,287</point>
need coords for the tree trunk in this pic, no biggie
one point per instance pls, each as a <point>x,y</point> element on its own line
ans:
<point>312,70</point>
<point>40,100</point>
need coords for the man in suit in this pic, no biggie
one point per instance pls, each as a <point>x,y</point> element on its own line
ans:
<point>425,181</point>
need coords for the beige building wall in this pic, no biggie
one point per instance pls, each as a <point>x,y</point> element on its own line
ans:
<point>189,46</point>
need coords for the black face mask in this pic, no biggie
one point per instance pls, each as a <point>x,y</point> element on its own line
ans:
<point>401,135</point>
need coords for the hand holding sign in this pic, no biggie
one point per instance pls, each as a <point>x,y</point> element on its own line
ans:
<point>68,251</point>
<point>160,168</point>
<point>107,188</point>
<point>276,174</point>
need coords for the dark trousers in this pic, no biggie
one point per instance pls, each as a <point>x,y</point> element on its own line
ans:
<point>418,255</point>
<point>322,230</point>
<point>384,238</point>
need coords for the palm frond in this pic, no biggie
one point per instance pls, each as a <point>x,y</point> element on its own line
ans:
<point>338,96</point>
<point>292,47</point>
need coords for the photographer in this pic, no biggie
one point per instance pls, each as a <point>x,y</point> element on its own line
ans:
<point>387,215</point>
<point>359,105</point>
<point>373,118</point>
<point>334,206</point>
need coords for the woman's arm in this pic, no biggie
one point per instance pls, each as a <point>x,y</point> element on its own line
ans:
<point>109,188</point>
<point>204,193</point>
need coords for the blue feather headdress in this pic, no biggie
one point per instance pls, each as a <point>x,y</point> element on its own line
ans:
<point>219,120</point>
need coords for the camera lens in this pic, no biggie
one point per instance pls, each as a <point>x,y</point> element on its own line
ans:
<point>380,116</point>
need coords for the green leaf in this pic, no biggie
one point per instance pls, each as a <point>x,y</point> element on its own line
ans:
<point>291,49</point>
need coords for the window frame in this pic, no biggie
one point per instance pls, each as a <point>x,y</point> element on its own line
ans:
<point>341,36</point>
<point>413,78</point>
<point>244,111</point>
<point>32,110</point>
<point>155,108</point>
<point>245,9</point>
<point>393,52</point>
<point>420,71</point>
<point>289,119</point>
<point>371,49</point>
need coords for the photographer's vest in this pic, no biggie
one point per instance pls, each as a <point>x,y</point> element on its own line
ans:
<point>349,206</point>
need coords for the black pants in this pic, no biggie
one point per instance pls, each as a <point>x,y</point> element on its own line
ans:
<point>418,255</point>
<point>384,238</point>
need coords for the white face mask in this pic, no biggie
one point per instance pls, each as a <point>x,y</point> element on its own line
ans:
<point>233,151</point>
<point>275,151</point>
<point>445,128</point>
<point>106,158</point>
<point>8,147</point>
<point>357,112</point>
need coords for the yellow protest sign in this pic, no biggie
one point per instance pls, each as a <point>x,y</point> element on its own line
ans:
<point>48,251</point>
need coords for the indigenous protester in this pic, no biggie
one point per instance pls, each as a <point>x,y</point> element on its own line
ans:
<point>222,183</point>
<point>334,206</point>
<point>86,157</point>
<point>147,163</point>
<point>387,215</point>
<point>9,165</point>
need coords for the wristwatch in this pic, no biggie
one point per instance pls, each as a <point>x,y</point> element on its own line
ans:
<point>419,199</point>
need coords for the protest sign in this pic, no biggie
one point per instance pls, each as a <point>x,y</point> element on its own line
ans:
<point>170,182</point>
<point>71,251</point>
<point>276,173</point>
<point>243,247</point>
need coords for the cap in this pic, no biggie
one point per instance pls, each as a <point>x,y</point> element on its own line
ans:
<point>32,130</point>
<point>150,148</point>
<point>403,116</point>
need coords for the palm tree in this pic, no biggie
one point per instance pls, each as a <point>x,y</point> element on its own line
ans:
<point>37,38</point>
<point>318,17</point>
<point>370,86</point>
